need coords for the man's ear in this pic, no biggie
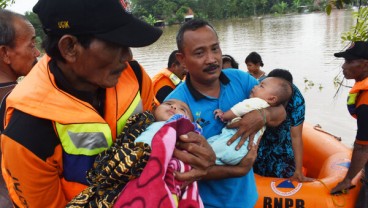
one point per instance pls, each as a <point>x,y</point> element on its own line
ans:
<point>68,47</point>
<point>180,57</point>
<point>4,56</point>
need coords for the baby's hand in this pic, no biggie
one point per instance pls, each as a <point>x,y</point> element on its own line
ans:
<point>218,114</point>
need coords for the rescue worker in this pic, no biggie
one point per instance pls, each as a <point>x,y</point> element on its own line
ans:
<point>76,100</point>
<point>166,80</point>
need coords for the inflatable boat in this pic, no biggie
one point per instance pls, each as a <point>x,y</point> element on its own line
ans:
<point>327,160</point>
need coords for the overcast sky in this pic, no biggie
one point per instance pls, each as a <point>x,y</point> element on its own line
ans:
<point>22,6</point>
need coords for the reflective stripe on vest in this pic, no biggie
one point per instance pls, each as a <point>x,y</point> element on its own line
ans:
<point>84,139</point>
<point>135,107</point>
<point>174,79</point>
<point>352,103</point>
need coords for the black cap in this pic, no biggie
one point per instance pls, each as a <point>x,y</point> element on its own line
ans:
<point>357,50</point>
<point>104,19</point>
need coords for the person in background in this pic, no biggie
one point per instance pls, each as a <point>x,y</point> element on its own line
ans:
<point>229,62</point>
<point>207,87</point>
<point>166,80</point>
<point>254,63</point>
<point>356,67</point>
<point>280,152</point>
<point>18,54</point>
<point>77,99</point>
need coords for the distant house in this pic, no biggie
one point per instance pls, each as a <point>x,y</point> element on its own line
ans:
<point>189,15</point>
<point>159,23</point>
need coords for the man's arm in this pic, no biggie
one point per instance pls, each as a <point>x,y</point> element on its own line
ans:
<point>253,121</point>
<point>360,151</point>
<point>32,162</point>
<point>358,160</point>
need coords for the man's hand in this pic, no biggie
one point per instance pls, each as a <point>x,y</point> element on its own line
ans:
<point>194,150</point>
<point>342,187</point>
<point>248,126</point>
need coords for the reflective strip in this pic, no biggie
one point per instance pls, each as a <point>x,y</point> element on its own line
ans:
<point>84,139</point>
<point>352,98</point>
<point>135,107</point>
<point>175,80</point>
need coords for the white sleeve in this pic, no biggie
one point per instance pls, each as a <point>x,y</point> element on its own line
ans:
<point>248,105</point>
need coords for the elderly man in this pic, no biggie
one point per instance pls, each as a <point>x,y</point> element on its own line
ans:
<point>18,54</point>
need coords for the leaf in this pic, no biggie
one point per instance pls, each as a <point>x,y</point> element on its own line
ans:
<point>328,9</point>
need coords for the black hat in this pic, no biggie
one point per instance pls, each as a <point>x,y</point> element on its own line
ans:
<point>357,50</point>
<point>104,19</point>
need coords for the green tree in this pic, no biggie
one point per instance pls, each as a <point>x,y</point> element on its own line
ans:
<point>150,19</point>
<point>164,9</point>
<point>280,8</point>
<point>6,3</point>
<point>337,3</point>
<point>359,32</point>
<point>35,21</point>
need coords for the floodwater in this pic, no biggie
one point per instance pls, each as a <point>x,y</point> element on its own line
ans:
<point>302,43</point>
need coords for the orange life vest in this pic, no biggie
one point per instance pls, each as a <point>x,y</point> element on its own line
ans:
<point>164,78</point>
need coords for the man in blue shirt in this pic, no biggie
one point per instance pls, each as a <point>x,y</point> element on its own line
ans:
<point>208,88</point>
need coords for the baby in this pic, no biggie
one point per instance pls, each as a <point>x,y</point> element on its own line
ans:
<point>172,118</point>
<point>141,160</point>
<point>272,91</point>
<point>165,113</point>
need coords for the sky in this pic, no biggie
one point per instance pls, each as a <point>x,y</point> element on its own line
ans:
<point>22,6</point>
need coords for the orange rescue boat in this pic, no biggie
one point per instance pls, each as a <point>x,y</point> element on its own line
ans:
<point>327,160</point>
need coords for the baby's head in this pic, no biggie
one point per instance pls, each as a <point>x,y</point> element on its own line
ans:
<point>273,90</point>
<point>171,107</point>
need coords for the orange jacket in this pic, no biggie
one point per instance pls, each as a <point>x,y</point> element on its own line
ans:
<point>164,78</point>
<point>33,182</point>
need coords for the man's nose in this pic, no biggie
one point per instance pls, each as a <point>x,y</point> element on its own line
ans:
<point>37,53</point>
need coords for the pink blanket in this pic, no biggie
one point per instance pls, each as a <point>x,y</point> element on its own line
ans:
<point>157,187</point>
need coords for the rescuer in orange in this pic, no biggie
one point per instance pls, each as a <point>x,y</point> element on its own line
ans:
<point>166,80</point>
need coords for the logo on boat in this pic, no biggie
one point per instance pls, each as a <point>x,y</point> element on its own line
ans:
<point>285,187</point>
<point>341,164</point>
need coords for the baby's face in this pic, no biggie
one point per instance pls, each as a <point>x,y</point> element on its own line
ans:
<point>171,107</point>
<point>266,89</point>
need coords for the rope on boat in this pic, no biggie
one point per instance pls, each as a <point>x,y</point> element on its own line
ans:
<point>319,128</point>
<point>333,197</point>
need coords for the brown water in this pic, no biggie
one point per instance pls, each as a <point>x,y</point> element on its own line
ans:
<point>302,43</point>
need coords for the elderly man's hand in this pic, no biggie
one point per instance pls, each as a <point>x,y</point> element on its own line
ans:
<point>194,150</point>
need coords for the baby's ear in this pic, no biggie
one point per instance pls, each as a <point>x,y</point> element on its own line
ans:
<point>272,100</point>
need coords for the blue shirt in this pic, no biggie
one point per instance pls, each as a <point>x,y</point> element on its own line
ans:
<point>235,87</point>
<point>275,152</point>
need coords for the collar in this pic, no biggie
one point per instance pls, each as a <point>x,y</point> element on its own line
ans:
<point>195,93</point>
<point>6,84</point>
<point>85,96</point>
